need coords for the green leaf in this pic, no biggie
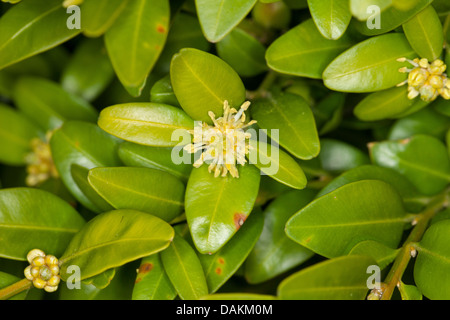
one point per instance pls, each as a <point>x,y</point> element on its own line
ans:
<point>218,18</point>
<point>293,52</point>
<point>424,33</point>
<point>16,132</point>
<point>385,104</point>
<point>184,269</point>
<point>102,280</point>
<point>426,121</point>
<point>334,223</point>
<point>292,122</point>
<point>343,278</point>
<point>243,53</point>
<point>99,15</point>
<point>370,65</point>
<point>382,254</point>
<point>162,92</point>
<point>331,17</point>
<point>409,292</point>
<point>136,40</point>
<point>86,145</point>
<point>114,238</point>
<point>202,82</point>
<point>272,15</point>
<point>220,266</point>
<point>442,106</point>
<point>32,218</point>
<point>146,123</point>
<point>432,265</point>
<point>49,105</point>
<point>135,155</point>
<point>390,18</point>
<point>238,296</point>
<point>89,70</point>
<point>217,207</point>
<point>143,189</point>
<point>359,8</point>
<point>44,21</point>
<point>80,177</point>
<point>277,164</point>
<point>411,157</point>
<point>6,280</point>
<point>152,282</point>
<point>275,253</point>
<point>411,197</point>
<point>339,156</point>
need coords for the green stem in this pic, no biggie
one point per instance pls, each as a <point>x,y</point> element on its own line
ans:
<point>401,262</point>
<point>15,288</point>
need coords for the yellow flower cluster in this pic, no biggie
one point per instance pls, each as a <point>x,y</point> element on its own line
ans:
<point>43,270</point>
<point>40,166</point>
<point>426,79</point>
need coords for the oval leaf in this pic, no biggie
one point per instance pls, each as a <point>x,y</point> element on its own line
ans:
<point>289,117</point>
<point>202,82</point>
<point>370,65</point>
<point>331,17</point>
<point>99,15</point>
<point>32,218</point>
<point>150,124</point>
<point>334,223</point>
<point>217,207</point>
<point>382,254</point>
<point>293,52</point>
<point>143,189</point>
<point>114,238</point>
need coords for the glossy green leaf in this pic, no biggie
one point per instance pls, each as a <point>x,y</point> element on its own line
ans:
<point>382,254</point>
<point>411,157</point>
<point>424,33</point>
<point>275,253</point>
<point>343,278</point>
<point>217,207</point>
<point>431,270</point>
<point>6,280</point>
<point>152,282</point>
<point>385,104</point>
<point>277,164</point>
<point>89,70</point>
<point>220,266</point>
<point>292,122</point>
<point>80,177</point>
<point>359,8</point>
<point>331,17</point>
<point>135,155</point>
<point>32,218</point>
<point>150,124</point>
<point>143,189</point>
<point>370,65</point>
<point>202,82</point>
<point>84,144</point>
<point>243,53</point>
<point>390,18</point>
<point>112,239</point>
<point>44,21</point>
<point>409,292</point>
<point>293,52</point>
<point>339,156</point>
<point>162,92</point>
<point>238,296</point>
<point>411,197</point>
<point>49,105</point>
<point>16,132</point>
<point>136,40</point>
<point>218,18</point>
<point>334,223</point>
<point>442,106</point>
<point>101,280</point>
<point>99,15</point>
<point>184,269</point>
<point>274,15</point>
<point>426,121</point>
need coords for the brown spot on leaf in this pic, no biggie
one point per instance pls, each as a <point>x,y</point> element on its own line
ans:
<point>221,261</point>
<point>218,270</point>
<point>138,280</point>
<point>160,28</point>
<point>145,267</point>
<point>239,219</point>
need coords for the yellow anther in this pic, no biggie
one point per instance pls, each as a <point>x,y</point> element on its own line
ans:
<point>39,283</point>
<point>43,270</point>
<point>34,253</point>
<point>38,261</point>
